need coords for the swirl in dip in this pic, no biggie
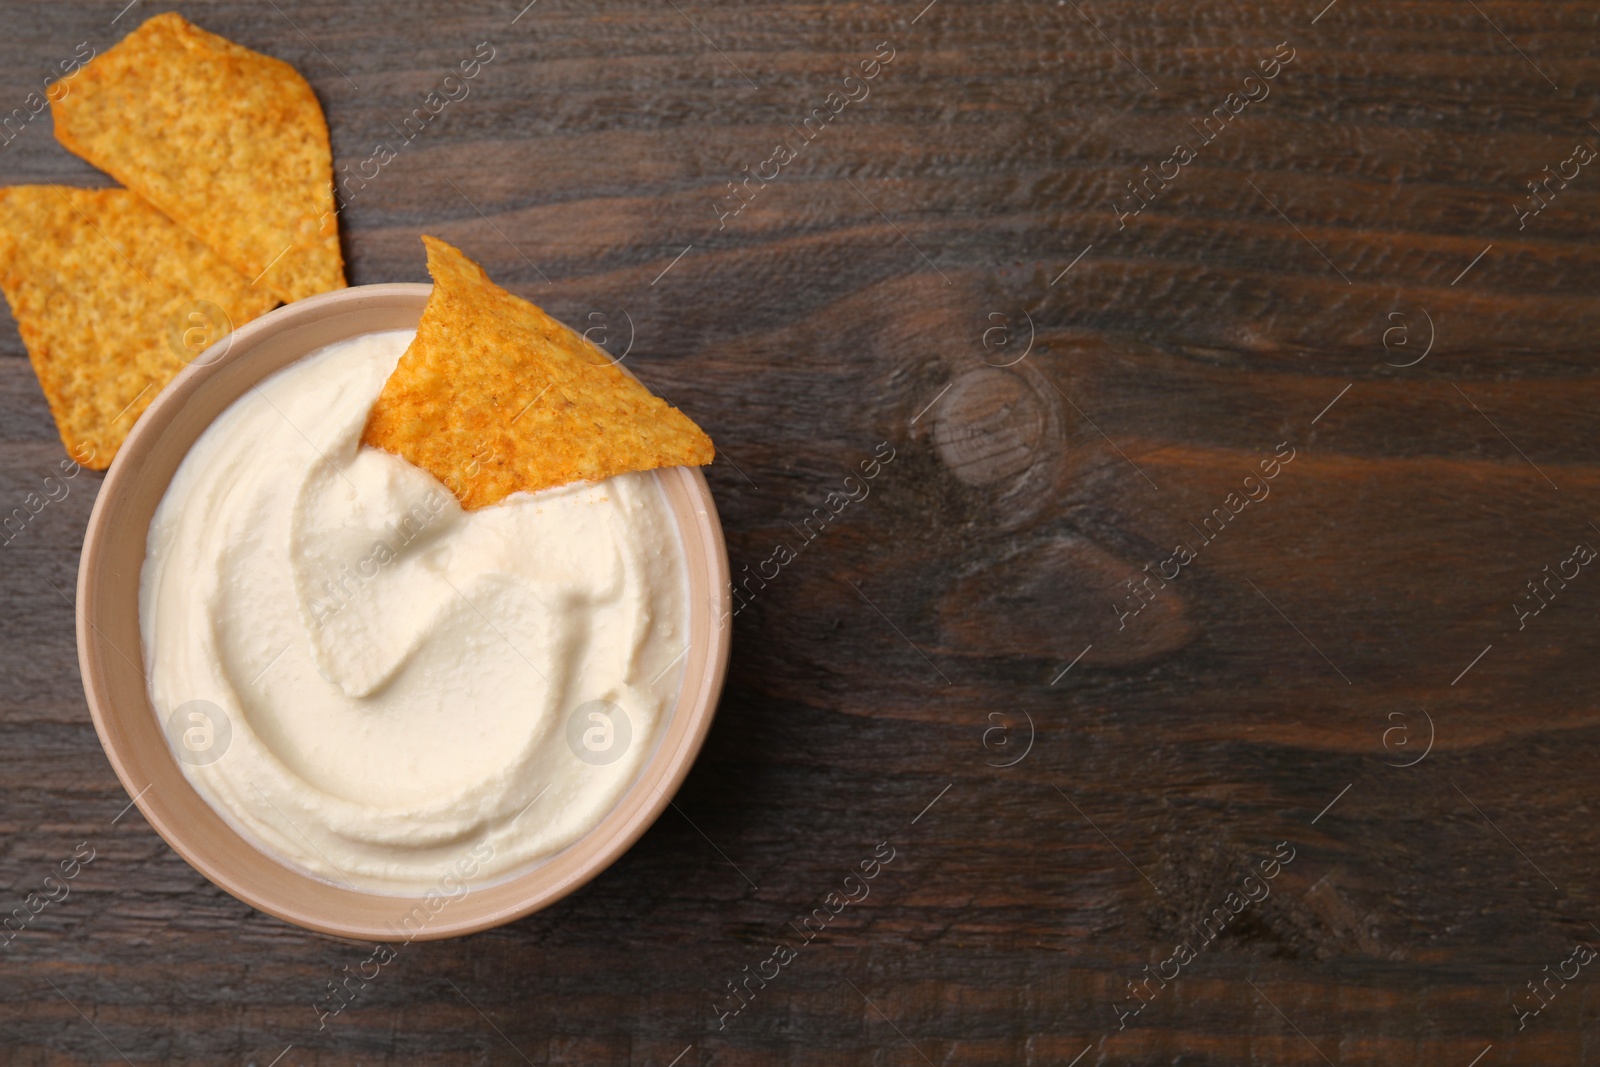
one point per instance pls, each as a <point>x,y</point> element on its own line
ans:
<point>380,688</point>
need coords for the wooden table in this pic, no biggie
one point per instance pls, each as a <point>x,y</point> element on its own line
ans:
<point>1078,740</point>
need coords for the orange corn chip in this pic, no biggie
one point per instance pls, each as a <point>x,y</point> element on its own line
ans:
<point>228,142</point>
<point>112,299</point>
<point>496,397</point>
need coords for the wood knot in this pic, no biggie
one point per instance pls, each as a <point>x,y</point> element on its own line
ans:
<point>993,426</point>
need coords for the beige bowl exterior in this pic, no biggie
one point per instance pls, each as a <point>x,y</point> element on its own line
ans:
<point>110,650</point>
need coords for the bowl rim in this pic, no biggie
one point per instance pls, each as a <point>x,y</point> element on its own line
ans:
<point>637,807</point>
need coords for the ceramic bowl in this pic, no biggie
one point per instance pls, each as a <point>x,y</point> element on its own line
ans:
<point>111,653</point>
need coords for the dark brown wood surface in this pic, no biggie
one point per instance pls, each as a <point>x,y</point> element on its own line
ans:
<point>1340,673</point>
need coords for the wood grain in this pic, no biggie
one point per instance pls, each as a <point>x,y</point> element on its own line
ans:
<point>881,289</point>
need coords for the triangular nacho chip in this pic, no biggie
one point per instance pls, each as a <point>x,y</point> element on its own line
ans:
<point>112,299</point>
<point>496,397</point>
<point>231,144</point>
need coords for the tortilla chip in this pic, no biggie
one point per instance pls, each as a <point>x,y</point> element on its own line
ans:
<point>112,299</point>
<point>228,142</point>
<point>495,397</point>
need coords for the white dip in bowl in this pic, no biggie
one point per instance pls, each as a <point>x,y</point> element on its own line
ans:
<point>378,688</point>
